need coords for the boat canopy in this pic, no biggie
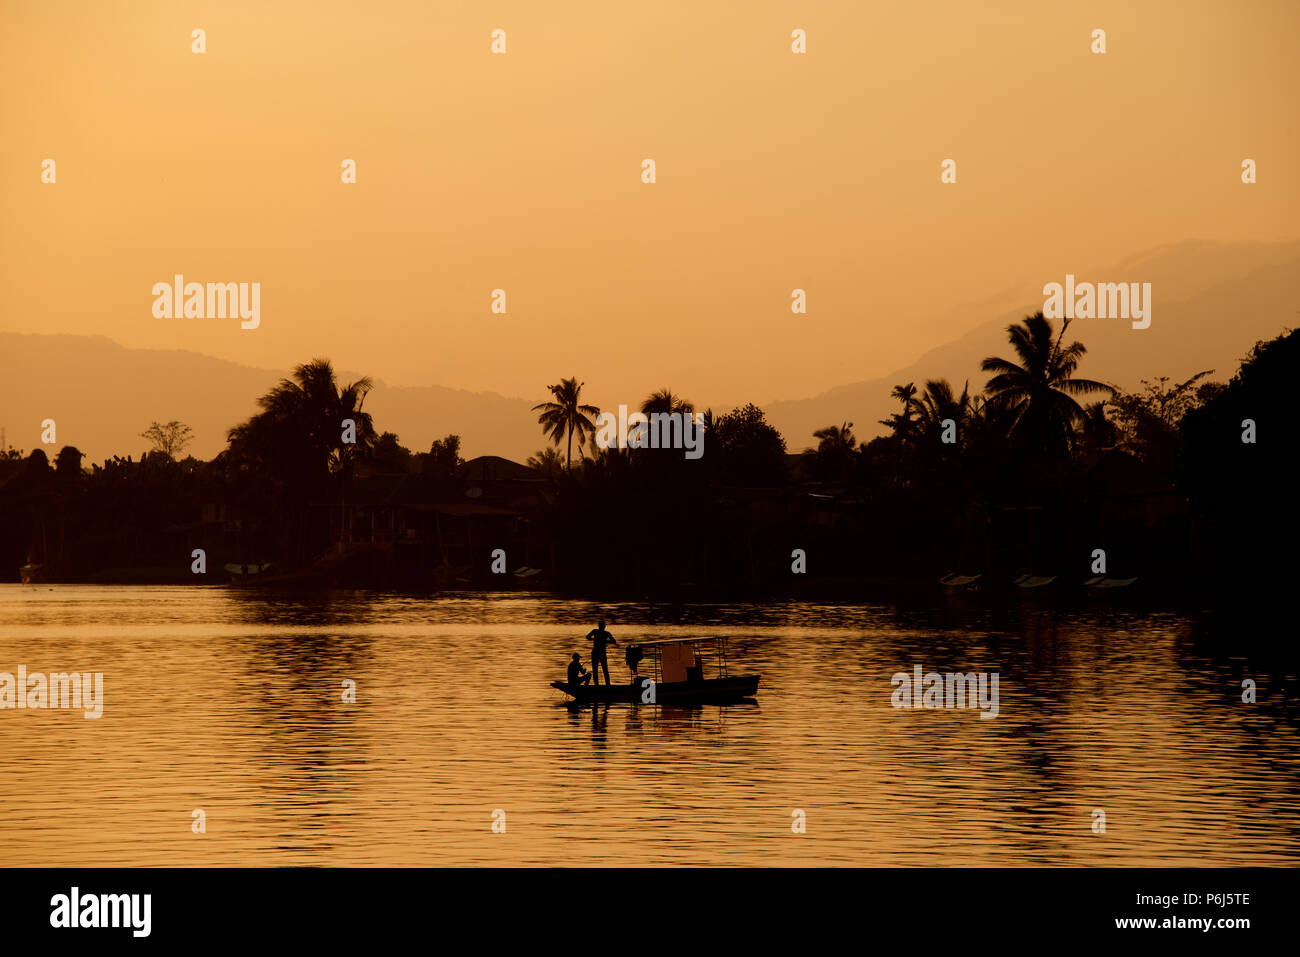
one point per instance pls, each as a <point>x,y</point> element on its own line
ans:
<point>675,641</point>
<point>675,658</point>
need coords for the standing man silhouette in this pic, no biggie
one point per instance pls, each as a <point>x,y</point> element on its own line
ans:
<point>599,638</point>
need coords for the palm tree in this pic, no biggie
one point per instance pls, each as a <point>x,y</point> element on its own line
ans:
<point>901,422</point>
<point>1096,430</point>
<point>665,402</point>
<point>836,438</point>
<point>566,415</point>
<point>938,404</point>
<point>301,422</point>
<point>297,440</point>
<point>833,458</point>
<point>1041,387</point>
<point>548,462</point>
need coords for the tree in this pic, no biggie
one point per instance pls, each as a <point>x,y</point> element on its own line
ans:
<point>835,438</point>
<point>834,456</point>
<point>1238,470</point>
<point>665,402</point>
<point>984,446</point>
<point>548,462</point>
<point>938,405</point>
<point>751,451</point>
<point>443,459</point>
<point>68,462</point>
<point>282,458</point>
<point>1041,387</point>
<point>300,432</point>
<point>170,439</point>
<point>389,456</point>
<point>901,422</point>
<point>1148,421</point>
<point>1096,430</point>
<point>567,415</point>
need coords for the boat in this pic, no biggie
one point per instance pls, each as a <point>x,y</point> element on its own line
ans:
<point>1102,583</point>
<point>1034,581</point>
<point>1103,588</point>
<point>953,583</point>
<point>244,572</point>
<point>677,678</point>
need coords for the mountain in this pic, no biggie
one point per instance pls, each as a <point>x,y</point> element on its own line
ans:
<point>1210,303</point>
<point>102,396</point>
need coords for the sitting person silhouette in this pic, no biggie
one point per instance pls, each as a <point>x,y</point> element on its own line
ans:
<point>578,675</point>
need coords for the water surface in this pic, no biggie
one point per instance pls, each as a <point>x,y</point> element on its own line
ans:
<point>229,701</point>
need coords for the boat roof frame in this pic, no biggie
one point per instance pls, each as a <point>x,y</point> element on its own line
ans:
<point>653,642</point>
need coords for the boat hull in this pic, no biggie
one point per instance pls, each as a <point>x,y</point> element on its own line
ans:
<point>708,691</point>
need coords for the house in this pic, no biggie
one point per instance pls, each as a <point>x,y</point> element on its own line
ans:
<point>419,529</point>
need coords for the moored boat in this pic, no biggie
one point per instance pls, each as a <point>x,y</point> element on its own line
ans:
<point>1102,583</point>
<point>955,584</point>
<point>1028,581</point>
<point>242,573</point>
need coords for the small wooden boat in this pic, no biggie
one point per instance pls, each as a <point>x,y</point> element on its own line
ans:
<point>1028,581</point>
<point>241,573</point>
<point>678,677</point>
<point>1102,583</point>
<point>954,584</point>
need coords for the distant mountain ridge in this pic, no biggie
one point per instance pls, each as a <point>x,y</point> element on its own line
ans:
<point>1211,303</point>
<point>123,390</point>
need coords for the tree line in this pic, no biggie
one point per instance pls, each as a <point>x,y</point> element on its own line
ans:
<point>1181,483</point>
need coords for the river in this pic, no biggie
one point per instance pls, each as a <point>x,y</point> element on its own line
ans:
<point>230,702</point>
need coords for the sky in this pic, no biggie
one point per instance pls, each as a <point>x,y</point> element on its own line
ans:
<point>522,171</point>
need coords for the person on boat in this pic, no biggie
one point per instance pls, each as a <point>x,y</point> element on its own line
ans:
<point>599,638</point>
<point>578,675</point>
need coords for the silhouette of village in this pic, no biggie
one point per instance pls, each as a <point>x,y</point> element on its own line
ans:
<point>1043,484</point>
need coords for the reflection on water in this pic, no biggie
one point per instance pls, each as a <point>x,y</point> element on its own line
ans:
<point>231,702</point>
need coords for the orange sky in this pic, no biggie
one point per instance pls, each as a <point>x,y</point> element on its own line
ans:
<point>522,172</point>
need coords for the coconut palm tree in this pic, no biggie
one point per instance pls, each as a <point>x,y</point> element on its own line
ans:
<point>301,424</point>
<point>901,422</point>
<point>548,462</point>
<point>300,438</point>
<point>938,404</point>
<point>833,458</point>
<point>836,438</point>
<point>566,415</point>
<point>665,402</point>
<point>1041,387</point>
<point>1096,430</point>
